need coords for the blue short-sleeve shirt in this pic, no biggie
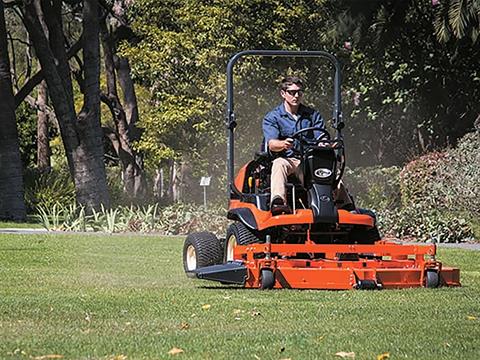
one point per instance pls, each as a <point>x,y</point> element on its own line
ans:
<point>279,124</point>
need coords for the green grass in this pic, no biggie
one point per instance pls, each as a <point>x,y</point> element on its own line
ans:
<point>105,297</point>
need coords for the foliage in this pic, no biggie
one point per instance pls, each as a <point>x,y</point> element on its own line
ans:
<point>403,87</point>
<point>375,188</point>
<point>44,190</point>
<point>439,195</point>
<point>175,219</point>
<point>180,57</point>
<point>418,223</point>
<point>448,180</point>
<point>408,92</point>
<point>27,132</point>
<point>457,19</point>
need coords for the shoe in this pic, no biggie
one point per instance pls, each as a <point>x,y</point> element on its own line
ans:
<point>278,207</point>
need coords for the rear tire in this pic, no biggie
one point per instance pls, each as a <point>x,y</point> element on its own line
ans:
<point>238,234</point>
<point>200,250</point>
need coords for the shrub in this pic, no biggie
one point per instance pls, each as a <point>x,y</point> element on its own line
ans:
<point>43,190</point>
<point>187,218</point>
<point>428,225</point>
<point>374,188</point>
<point>448,180</point>
<point>439,195</point>
<point>172,220</point>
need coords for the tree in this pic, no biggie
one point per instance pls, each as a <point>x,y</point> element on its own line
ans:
<point>411,92</point>
<point>125,116</point>
<point>12,205</point>
<point>457,20</point>
<point>43,139</point>
<point>81,133</point>
<point>180,55</point>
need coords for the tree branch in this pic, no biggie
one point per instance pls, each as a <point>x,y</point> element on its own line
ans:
<point>11,4</point>
<point>109,9</point>
<point>38,77</point>
<point>48,110</point>
<point>11,38</point>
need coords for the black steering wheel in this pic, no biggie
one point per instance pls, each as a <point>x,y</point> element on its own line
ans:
<point>323,138</point>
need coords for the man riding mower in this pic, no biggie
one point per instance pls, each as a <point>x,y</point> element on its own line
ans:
<point>309,241</point>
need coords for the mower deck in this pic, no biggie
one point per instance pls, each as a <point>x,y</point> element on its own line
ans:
<point>332,266</point>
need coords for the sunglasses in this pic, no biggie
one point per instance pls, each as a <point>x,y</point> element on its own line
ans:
<point>294,92</point>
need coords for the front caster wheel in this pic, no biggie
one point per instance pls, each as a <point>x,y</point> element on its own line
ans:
<point>267,279</point>
<point>432,279</point>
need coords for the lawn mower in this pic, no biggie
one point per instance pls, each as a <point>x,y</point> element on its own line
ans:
<point>319,244</point>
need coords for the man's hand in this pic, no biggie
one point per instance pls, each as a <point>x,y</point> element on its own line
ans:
<point>276,145</point>
<point>324,143</point>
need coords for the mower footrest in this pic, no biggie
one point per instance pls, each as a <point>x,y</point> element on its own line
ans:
<point>233,272</point>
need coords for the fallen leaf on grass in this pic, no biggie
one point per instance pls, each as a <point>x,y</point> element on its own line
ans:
<point>255,312</point>
<point>206,306</point>
<point>345,355</point>
<point>175,351</point>
<point>18,351</point>
<point>118,357</point>
<point>470,317</point>
<point>50,356</point>
<point>383,356</point>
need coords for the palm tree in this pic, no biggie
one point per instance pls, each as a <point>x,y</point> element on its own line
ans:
<point>457,19</point>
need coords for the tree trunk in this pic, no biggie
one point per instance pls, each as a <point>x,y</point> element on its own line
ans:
<point>132,163</point>
<point>129,96</point>
<point>158,185</point>
<point>82,135</point>
<point>178,181</point>
<point>43,144</point>
<point>12,205</point>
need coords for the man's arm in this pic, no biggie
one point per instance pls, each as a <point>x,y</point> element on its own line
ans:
<point>276,145</point>
<point>271,134</point>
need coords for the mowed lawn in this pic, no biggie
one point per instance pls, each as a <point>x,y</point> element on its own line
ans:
<point>126,297</point>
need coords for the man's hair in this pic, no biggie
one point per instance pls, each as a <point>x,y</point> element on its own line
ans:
<point>290,80</point>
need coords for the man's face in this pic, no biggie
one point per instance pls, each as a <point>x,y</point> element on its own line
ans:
<point>292,95</point>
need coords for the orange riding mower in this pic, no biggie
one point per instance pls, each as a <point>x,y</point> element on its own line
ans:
<point>317,244</point>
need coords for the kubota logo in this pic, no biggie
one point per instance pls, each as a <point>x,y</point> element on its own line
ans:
<point>323,173</point>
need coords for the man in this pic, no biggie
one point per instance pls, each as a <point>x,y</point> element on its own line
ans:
<point>278,127</point>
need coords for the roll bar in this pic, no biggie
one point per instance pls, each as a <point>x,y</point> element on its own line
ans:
<point>230,120</point>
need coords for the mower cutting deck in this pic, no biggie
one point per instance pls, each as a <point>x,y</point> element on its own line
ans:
<point>378,266</point>
<point>317,246</point>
